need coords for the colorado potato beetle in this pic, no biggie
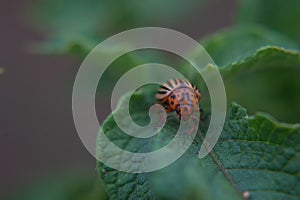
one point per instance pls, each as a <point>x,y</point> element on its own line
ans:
<point>181,96</point>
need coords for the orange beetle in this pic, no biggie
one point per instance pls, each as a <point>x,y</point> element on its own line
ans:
<point>181,96</point>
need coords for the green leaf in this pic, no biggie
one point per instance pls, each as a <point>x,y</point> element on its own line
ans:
<point>260,69</point>
<point>254,155</point>
<point>282,16</point>
<point>237,43</point>
<point>67,186</point>
<point>267,81</point>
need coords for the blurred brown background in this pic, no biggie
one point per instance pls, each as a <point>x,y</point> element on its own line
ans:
<point>37,134</point>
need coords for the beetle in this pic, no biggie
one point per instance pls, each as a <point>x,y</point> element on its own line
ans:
<point>181,96</point>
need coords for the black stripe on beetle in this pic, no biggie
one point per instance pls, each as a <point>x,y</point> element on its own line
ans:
<point>162,92</point>
<point>164,87</point>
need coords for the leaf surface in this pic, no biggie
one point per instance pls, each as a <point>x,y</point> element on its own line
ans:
<point>260,70</point>
<point>255,154</point>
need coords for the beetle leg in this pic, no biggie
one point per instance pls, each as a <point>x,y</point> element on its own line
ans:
<point>191,134</point>
<point>201,119</point>
<point>201,114</point>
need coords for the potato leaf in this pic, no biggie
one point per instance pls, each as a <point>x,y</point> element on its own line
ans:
<point>260,69</point>
<point>256,156</point>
